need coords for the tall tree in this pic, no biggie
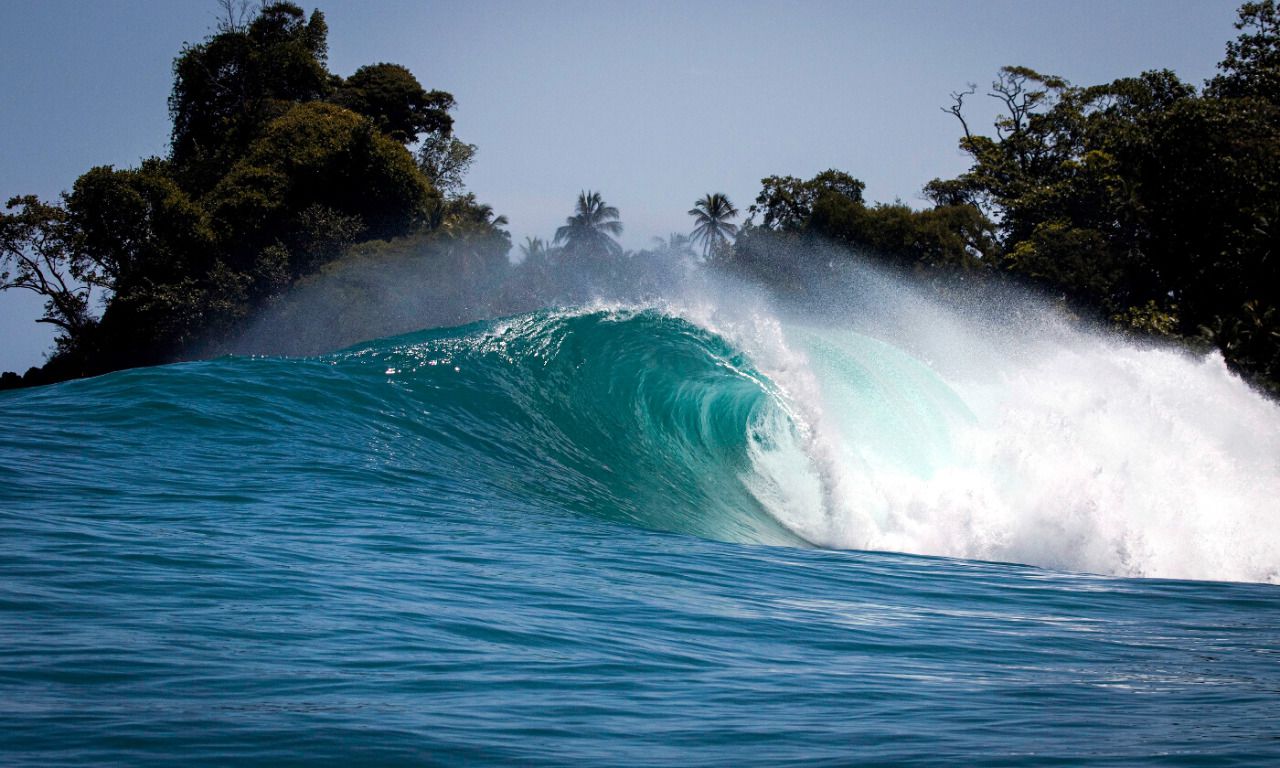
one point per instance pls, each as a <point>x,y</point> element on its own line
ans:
<point>390,96</point>
<point>535,250</point>
<point>591,229</point>
<point>37,254</point>
<point>445,161</point>
<point>786,203</point>
<point>1252,65</point>
<point>1143,200</point>
<point>228,88</point>
<point>276,167</point>
<point>712,227</point>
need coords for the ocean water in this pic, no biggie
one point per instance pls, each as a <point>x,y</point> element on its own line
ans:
<point>627,535</point>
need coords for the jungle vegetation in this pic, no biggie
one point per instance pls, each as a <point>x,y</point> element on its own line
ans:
<point>1147,203</point>
<point>276,166</point>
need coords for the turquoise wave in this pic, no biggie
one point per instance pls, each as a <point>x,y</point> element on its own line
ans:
<point>453,547</point>
<point>771,431</point>
<point>631,416</point>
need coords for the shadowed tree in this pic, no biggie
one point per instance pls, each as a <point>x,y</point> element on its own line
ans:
<point>390,96</point>
<point>674,244</point>
<point>591,229</point>
<point>712,226</point>
<point>1252,65</point>
<point>445,160</point>
<point>535,250</point>
<point>786,203</point>
<point>37,254</point>
<point>228,88</point>
<point>276,167</point>
<point>1142,200</point>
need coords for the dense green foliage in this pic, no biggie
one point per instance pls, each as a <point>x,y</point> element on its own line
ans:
<point>226,89</point>
<point>795,216</point>
<point>1144,202</point>
<point>390,96</point>
<point>276,167</point>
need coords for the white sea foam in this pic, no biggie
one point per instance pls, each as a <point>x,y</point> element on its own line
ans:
<point>1007,432</point>
<point>992,429</point>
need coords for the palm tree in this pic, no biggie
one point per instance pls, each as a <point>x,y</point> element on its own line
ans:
<point>712,214</point>
<point>536,251</point>
<point>589,230</point>
<point>675,244</point>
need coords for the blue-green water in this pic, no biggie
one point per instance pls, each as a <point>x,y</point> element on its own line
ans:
<point>586,538</point>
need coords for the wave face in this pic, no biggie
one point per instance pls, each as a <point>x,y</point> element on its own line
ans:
<point>466,546</point>
<point>1075,453</point>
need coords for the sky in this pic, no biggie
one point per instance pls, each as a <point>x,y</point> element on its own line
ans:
<point>653,104</point>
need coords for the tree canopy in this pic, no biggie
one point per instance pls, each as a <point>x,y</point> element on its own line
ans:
<point>1143,199</point>
<point>1146,202</point>
<point>712,215</point>
<point>398,105</point>
<point>276,165</point>
<point>591,229</point>
<point>1251,68</point>
<point>229,87</point>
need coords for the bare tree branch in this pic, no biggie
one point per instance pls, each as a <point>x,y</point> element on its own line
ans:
<point>957,108</point>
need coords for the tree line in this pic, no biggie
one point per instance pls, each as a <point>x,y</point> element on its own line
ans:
<point>1146,203</point>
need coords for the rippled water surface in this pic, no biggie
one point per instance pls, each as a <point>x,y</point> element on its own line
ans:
<point>492,546</point>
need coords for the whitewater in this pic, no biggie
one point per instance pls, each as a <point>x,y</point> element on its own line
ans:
<point>722,525</point>
<point>1040,444</point>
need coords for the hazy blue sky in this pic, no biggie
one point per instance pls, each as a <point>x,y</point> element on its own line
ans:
<point>652,103</point>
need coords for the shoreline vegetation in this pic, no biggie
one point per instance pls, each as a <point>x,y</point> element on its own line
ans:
<point>1147,204</point>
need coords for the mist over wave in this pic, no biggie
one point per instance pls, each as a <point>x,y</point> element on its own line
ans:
<point>990,428</point>
<point>453,542</point>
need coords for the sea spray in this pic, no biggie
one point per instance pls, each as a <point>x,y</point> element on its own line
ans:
<point>957,420</point>
<point>1057,446</point>
<point>537,541</point>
